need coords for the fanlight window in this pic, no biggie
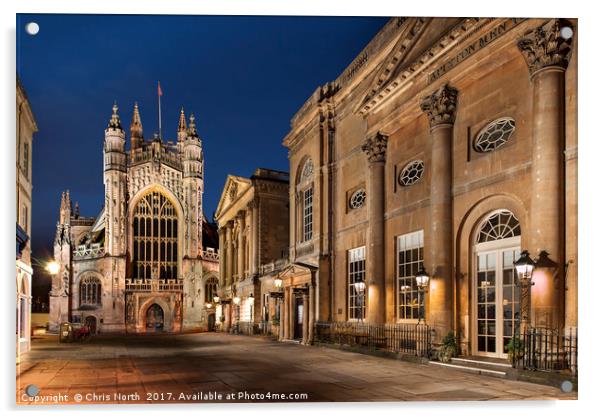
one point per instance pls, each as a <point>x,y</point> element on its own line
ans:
<point>411,173</point>
<point>357,199</point>
<point>494,135</point>
<point>501,225</point>
<point>89,292</point>
<point>155,252</point>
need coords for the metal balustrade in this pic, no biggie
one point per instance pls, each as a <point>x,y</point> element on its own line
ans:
<point>547,349</point>
<point>413,339</point>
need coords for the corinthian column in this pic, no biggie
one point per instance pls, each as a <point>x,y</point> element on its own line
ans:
<point>229,253</point>
<point>376,149</point>
<point>547,55</point>
<point>241,245</point>
<point>441,110</point>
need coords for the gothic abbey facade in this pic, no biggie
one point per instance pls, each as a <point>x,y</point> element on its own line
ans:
<point>147,261</point>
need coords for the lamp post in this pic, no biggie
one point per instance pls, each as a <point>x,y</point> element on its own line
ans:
<point>360,290</point>
<point>422,282</point>
<point>524,266</point>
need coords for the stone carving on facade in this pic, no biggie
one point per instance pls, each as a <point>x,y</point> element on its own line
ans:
<point>441,106</point>
<point>376,148</point>
<point>545,46</point>
<point>130,315</point>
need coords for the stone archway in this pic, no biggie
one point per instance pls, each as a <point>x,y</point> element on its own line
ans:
<point>165,308</point>
<point>465,258</point>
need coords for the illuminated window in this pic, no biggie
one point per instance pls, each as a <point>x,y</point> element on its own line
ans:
<point>494,135</point>
<point>501,225</point>
<point>210,290</point>
<point>410,255</point>
<point>308,207</point>
<point>155,252</point>
<point>356,274</point>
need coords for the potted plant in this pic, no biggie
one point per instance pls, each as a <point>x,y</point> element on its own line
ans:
<point>222,319</point>
<point>516,349</point>
<point>275,322</point>
<point>449,348</point>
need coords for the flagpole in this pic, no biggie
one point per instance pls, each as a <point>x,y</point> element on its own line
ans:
<point>159,96</point>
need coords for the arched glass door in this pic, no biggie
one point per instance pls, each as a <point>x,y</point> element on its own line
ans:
<point>496,302</point>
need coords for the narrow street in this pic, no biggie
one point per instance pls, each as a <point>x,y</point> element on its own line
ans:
<point>209,366</point>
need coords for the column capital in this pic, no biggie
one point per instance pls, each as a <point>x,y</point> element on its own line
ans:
<point>241,215</point>
<point>376,147</point>
<point>548,45</point>
<point>441,106</point>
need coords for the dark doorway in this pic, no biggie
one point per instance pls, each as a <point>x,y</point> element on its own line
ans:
<point>90,323</point>
<point>211,322</point>
<point>298,317</point>
<point>154,318</point>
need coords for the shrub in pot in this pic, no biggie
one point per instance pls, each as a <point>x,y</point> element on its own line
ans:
<point>449,348</point>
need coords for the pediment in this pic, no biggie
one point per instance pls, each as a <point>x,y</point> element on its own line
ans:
<point>295,269</point>
<point>417,37</point>
<point>234,187</point>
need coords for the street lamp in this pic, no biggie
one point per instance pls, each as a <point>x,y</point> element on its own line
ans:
<point>278,283</point>
<point>422,282</point>
<point>53,267</point>
<point>236,300</point>
<point>208,305</point>
<point>524,266</point>
<point>215,299</point>
<point>360,290</point>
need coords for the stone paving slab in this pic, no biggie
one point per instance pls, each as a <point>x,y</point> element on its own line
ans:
<point>203,367</point>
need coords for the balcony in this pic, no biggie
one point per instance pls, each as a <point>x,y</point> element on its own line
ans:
<point>88,252</point>
<point>154,285</point>
<point>210,254</point>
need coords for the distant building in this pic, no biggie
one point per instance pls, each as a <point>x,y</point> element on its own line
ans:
<point>252,216</point>
<point>143,263</point>
<point>449,143</point>
<point>26,127</point>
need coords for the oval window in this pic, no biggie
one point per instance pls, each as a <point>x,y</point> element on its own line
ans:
<point>357,199</point>
<point>411,173</point>
<point>494,135</point>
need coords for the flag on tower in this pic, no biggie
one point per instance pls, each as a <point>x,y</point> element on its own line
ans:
<point>159,91</point>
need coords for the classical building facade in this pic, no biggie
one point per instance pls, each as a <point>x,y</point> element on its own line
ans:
<point>142,264</point>
<point>449,143</point>
<point>252,216</point>
<point>26,127</point>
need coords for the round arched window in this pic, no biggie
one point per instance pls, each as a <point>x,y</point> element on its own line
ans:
<point>494,135</point>
<point>357,199</point>
<point>411,173</point>
<point>500,225</point>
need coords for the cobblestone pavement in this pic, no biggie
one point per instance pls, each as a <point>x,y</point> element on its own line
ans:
<point>186,368</point>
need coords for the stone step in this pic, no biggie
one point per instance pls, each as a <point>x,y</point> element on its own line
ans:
<point>472,370</point>
<point>497,365</point>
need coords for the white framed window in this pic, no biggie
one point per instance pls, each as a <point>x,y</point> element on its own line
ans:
<point>411,173</point>
<point>308,207</point>
<point>494,135</point>
<point>356,272</point>
<point>357,199</point>
<point>410,255</point>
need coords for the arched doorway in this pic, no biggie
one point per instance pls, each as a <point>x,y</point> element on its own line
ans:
<point>496,304</point>
<point>211,322</point>
<point>154,318</point>
<point>90,323</point>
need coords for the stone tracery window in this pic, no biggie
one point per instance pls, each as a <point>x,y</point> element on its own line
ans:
<point>305,201</point>
<point>494,135</point>
<point>357,199</point>
<point>210,290</point>
<point>411,173</point>
<point>90,291</point>
<point>155,249</point>
<point>501,225</point>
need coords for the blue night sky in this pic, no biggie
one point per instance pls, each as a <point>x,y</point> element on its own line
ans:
<point>242,77</point>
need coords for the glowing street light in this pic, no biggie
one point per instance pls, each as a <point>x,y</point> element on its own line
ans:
<point>53,267</point>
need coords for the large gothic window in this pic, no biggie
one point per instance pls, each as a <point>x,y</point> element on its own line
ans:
<point>210,289</point>
<point>89,291</point>
<point>155,252</point>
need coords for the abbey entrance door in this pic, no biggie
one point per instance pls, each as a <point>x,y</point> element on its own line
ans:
<point>154,318</point>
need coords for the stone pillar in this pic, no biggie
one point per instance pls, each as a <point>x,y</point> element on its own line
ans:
<point>376,148</point>
<point>229,253</point>
<point>311,314</point>
<point>241,245</point>
<point>227,308</point>
<point>222,256</point>
<point>281,318</point>
<point>305,338</point>
<point>547,55</point>
<point>253,239</point>
<point>285,314</point>
<point>441,110</point>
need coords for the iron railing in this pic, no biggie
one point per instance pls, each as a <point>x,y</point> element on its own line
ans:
<point>546,349</point>
<point>413,339</point>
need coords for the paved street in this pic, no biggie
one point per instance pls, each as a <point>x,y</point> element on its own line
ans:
<point>185,368</point>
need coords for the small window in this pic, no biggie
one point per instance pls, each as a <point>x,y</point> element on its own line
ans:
<point>26,159</point>
<point>411,173</point>
<point>494,135</point>
<point>357,199</point>
<point>500,225</point>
